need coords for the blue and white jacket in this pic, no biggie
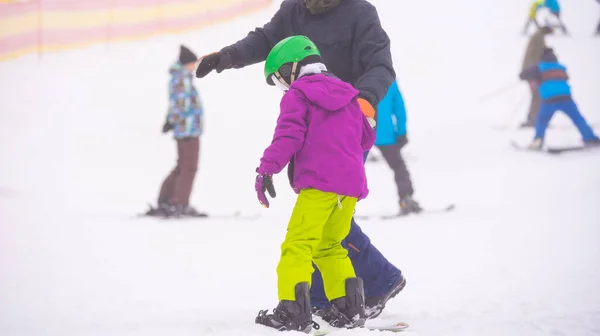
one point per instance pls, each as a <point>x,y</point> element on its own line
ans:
<point>185,108</point>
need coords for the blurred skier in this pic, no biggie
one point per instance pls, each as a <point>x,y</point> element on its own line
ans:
<point>391,137</point>
<point>184,118</point>
<point>532,16</point>
<point>551,77</point>
<point>319,115</point>
<point>356,49</point>
<point>554,9</point>
<point>533,55</point>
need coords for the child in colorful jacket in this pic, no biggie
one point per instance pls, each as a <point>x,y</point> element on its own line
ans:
<point>185,119</point>
<point>552,80</point>
<point>322,128</point>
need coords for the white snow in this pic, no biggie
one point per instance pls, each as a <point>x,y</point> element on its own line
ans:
<point>81,151</point>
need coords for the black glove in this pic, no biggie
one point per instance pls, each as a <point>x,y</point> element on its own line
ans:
<point>218,60</point>
<point>167,126</point>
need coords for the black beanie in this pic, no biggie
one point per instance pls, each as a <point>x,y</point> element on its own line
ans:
<point>186,56</point>
<point>548,55</point>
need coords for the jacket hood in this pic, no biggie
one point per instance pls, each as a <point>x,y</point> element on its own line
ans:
<point>324,91</point>
<point>177,69</point>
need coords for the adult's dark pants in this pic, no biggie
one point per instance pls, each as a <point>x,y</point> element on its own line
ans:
<point>393,156</point>
<point>534,107</point>
<point>177,187</point>
<point>378,274</point>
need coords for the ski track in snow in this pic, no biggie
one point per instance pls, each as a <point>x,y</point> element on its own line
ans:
<point>82,152</point>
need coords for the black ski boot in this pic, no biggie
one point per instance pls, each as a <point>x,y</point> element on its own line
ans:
<point>190,211</point>
<point>408,205</point>
<point>165,210</point>
<point>291,315</point>
<point>376,304</point>
<point>348,311</point>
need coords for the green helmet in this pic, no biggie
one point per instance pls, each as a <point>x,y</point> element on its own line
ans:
<point>289,50</point>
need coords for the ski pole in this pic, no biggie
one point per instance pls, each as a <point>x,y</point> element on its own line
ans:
<point>498,91</point>
<point>514,111</point>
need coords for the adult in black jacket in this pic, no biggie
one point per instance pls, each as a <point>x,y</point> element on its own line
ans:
<point>356,49</point>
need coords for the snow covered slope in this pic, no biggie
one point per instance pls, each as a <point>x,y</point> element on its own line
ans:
<point>81,151</point>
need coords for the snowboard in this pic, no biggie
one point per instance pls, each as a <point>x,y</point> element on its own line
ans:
<point>393,327</point>
<point>446,209</point>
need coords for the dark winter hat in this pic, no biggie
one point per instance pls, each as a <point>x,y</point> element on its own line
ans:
<point>186,55</point>
<point>548,55</point>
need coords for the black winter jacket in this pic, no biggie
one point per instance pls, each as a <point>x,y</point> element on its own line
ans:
<point>352,42</point>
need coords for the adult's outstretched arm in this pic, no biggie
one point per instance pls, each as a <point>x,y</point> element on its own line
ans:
<point>255,47</point>
<point>372,50</point>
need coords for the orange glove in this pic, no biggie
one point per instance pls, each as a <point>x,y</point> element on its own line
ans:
<point>368,110</point>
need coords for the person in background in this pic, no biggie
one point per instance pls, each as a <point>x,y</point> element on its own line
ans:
<point>391,138</point>
<point>532,16</point>
<point>184,118</point>
<point>552,80</point>
<point>554,8</point>
<point>533,54</point>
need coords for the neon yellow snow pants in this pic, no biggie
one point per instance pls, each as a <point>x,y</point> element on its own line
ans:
<point>319,223</point>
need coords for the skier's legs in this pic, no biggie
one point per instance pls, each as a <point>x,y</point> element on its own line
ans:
<point>534,107</point>
<point>168,185</point>
<point>544,116</point>
<point>312,210</point>
<point>378,274</point>
<point>393,156</point>
<point>572,111</point>
<point>189,150</point>
<point>330,257</point>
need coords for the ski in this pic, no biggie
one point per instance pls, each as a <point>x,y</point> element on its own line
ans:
<point>560,127</point>
<point>552,150</point>
<point>395,327</point>
<point>559,150</point>
<point>153,213</point>
<point>448,208</point>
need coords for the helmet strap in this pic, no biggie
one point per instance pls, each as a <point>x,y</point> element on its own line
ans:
<point>294,71</point>
<point>292,75</point>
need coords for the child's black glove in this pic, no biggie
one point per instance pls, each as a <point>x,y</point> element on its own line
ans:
<point>167,126</point>
<point>262,183</point>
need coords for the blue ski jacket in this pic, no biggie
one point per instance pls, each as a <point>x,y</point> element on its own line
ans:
<point>391,117</point>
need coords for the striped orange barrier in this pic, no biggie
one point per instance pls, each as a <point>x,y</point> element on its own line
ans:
<point>28,26</point>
